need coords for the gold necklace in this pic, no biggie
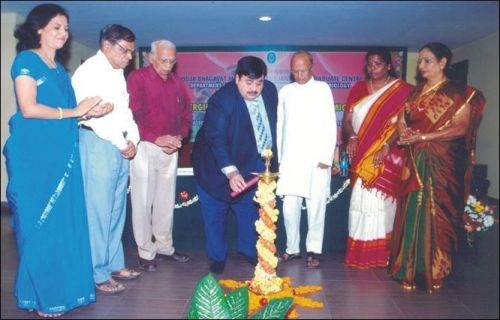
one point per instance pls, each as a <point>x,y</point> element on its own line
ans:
<point>385,82</point>
<point>433,87</point>
<point>422,99</point>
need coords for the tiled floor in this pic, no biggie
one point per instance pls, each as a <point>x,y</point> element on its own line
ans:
<point>470,292</point>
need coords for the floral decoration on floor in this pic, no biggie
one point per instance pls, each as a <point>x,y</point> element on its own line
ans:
<point>257,301</point>
<point>210,302</point>
<point>477,217</point>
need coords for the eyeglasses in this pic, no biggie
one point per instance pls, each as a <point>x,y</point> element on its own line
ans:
<point>168,61</point>
<point>123,49</point>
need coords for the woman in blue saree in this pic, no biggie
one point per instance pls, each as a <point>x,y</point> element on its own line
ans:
<point>45,189</point>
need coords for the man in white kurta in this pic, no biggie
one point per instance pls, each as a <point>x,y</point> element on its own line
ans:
<point>306,139</point>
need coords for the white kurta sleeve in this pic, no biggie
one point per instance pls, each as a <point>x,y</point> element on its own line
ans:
<point>328,124</point>
<point>279,124</point>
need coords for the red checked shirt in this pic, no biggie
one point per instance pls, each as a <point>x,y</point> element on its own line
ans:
<point>159,106</point>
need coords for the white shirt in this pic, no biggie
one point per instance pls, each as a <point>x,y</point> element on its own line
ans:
<point>97,77</point>
<point>306,134</point>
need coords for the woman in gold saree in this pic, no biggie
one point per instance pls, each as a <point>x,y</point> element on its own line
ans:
<point>438,129</point>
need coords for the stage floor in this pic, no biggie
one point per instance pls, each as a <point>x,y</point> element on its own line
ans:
<point>470,292</point>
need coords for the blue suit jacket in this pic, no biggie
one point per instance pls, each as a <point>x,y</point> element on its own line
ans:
<point>227,138</point>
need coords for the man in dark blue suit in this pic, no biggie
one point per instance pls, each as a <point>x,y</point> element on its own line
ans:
<point>240,122</point>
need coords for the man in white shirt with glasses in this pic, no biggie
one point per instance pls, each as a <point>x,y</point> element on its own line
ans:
<point>106,145</point>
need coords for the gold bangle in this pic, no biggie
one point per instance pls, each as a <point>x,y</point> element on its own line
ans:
<point>423,137</point>
<point>60,113</point>
<point>353,137</point>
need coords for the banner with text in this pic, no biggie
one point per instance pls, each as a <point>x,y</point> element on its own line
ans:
<point>206,71</point>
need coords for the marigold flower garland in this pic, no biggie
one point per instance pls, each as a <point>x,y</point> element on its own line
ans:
<point>265,280</point>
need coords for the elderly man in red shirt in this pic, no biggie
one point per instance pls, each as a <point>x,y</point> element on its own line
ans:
<point>161,106</point>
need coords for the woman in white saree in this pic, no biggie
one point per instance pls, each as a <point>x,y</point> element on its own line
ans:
<point>370,122</point>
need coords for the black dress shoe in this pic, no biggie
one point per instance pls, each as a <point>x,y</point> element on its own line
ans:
<point>148,265</point>
<point>218,266</point>
<point>176,256</point>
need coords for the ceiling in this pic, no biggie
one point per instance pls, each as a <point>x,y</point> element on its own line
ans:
<point>409,24</point>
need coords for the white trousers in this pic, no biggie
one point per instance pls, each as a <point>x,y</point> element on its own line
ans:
<point>153,175</point>
<point>316,208</point>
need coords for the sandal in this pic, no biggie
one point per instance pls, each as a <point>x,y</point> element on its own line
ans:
<point>110,287</point>
<point>289,256</point>
<point>48,315</point>
<point>125,274</point>
<point>313,260</point>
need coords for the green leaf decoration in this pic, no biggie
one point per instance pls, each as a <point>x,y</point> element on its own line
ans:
<point>276,309</point>
<point>208,300</point>
<point>192,314</point>
<point>238,303</point>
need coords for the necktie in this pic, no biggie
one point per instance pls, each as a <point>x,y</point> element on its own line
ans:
<point>261,137</point>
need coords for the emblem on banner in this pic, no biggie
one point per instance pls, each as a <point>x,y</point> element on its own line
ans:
<point>271,57</point>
